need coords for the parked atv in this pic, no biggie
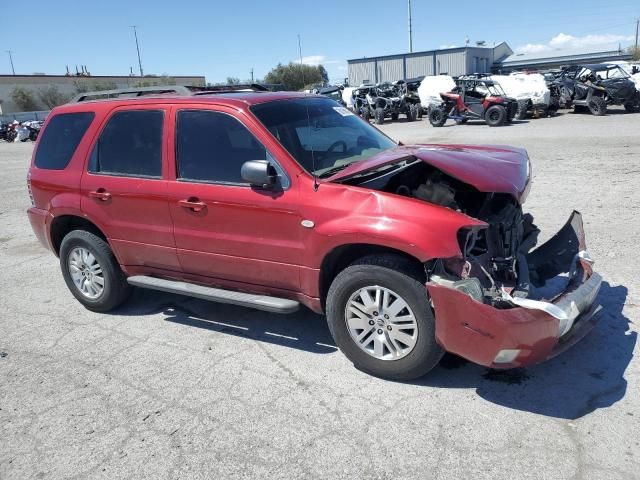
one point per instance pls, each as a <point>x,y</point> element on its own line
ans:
<point>475,99</point>
<point>333,92</point>
<point>360,101</point>
<point>409,99</point>
<point>4,130</point>
<point>594,87</point>
<point>384,101</point>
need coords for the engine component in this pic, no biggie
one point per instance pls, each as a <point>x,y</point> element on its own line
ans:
<point>439,193</point>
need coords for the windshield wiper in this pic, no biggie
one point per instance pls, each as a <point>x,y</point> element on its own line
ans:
<point>332,170</point>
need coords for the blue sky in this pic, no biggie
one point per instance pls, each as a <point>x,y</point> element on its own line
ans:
<point>223,38</point>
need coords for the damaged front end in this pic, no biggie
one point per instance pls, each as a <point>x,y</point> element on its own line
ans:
<point>503,304</point>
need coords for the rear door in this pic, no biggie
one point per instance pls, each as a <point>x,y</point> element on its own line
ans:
<point>124,188</point>
<point>224,228</point>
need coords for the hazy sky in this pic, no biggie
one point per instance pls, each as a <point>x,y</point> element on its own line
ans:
<point>219,39</point>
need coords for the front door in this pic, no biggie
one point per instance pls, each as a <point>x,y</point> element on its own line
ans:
<point>124,190</point>
<point>224,228</point>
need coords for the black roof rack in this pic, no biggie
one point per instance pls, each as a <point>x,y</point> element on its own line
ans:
<point>175,90</point>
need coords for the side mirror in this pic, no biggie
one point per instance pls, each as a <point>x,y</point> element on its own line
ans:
<point>259,173</point>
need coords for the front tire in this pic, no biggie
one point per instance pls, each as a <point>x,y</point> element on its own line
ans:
<point>91,271</point>
<point>598,106</point>
<point>379,315</point>
<point>379,116</point>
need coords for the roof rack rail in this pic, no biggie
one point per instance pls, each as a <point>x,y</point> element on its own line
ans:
<point>175,90</point>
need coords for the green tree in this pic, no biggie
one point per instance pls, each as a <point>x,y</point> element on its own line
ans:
<point>153,81</point>
<point>24,99</point>
<point>233,81</point>
<point>84,86</point>
<point>52,97</point>
<point>296,76</point>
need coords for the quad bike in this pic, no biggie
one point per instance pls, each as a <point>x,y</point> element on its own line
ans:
<point>594,87</point>
<point>333,92</point>
<point>475,99</point>
<point>410,100</point>
<point>4,129</point>
<point>384,101</point>
<point>361,102</point>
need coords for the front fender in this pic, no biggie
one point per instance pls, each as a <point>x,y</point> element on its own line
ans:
<point>420,229</point>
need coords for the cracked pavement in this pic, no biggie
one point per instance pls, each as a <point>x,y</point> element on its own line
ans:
<point>169,387</point>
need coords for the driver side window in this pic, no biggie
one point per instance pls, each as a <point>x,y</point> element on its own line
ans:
<point>212,146</point>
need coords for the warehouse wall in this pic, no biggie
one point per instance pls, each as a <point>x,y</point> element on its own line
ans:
<point>451,61</point>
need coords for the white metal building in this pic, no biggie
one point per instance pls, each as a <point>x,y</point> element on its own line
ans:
<point>449,61</point>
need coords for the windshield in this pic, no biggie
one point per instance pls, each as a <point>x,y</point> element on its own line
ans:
<point>323,136</point>
<point>496,90</point>
<point>604,73</point>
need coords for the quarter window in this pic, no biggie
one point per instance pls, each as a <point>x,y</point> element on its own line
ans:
<point>61,138</point>
<point>130,145</point>
<point>212,146</point>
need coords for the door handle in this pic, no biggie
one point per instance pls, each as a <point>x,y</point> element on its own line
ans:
<point>100,194</point>
<point>192,204</point>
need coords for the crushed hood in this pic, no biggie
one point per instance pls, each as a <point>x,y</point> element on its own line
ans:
<point>488,168</point>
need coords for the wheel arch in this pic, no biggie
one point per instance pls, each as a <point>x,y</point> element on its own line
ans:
<point>344,255</point>
<point>63,224</point>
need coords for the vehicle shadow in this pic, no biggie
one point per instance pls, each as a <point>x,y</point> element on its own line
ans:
<point>303,330</point>
<point>587,377</point>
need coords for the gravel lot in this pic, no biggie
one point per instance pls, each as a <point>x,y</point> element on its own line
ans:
<point>169,387</point>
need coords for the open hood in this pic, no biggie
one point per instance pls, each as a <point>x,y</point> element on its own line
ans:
<point>489,168</point>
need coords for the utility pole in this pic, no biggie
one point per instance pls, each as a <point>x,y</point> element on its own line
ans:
<point>135,33</point>
<point>637,25</point>
<point>252,75</point>
<point>300,49</point>
<point>410,32</point>
<point>13,70</point>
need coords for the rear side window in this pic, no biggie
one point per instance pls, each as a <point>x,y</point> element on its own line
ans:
<point>60,139</point>
<point>130,145</point>
<point>212,146</point>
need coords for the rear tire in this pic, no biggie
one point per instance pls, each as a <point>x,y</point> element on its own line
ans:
<point>379,116</point>
<point>598,106</point>
<point>84,275</point>
<point>412,113</point>
<point>437,117</point>
<point>384,340</point>
<point>495,116</point>
<point>631,107</point>
<point>366,114</point>
<point>521,113</point>
<point>394,117</point>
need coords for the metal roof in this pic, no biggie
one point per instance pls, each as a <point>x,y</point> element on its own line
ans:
<point>425,52</point>
<point>563,55</point>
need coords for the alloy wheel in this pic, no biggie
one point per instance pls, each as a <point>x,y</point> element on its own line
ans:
<point>86,272</point>
<point>381,323</point>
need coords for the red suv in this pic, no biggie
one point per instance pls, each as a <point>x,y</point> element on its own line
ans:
<point>269,200</point>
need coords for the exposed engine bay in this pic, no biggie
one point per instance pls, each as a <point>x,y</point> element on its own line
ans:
<point>498,263</point>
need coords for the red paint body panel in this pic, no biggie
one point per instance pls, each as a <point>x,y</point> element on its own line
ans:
<point>498,169</point>
<point>253,240</point>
